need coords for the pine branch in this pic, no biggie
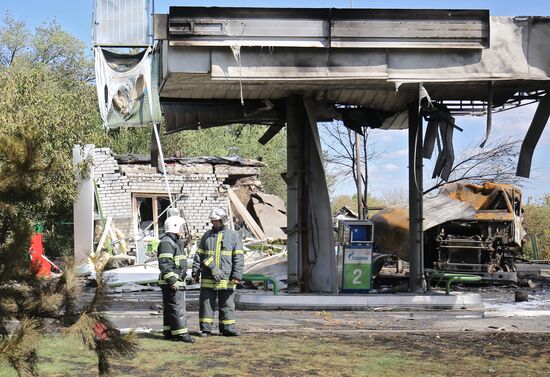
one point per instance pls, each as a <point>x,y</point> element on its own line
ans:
<point>19,349</point>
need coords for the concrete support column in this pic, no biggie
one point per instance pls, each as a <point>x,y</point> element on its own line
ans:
<point>416,233</point>
<point>296,178</point>
<point>311,256</point>
<point>83,206</point>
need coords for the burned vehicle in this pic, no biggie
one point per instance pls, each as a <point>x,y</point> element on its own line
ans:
<point>475,229</point>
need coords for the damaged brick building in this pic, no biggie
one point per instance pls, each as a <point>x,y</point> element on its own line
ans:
<point>133,193</point>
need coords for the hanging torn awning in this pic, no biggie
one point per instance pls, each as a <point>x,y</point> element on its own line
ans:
<point>127,88</point>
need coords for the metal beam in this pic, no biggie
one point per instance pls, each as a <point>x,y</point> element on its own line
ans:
<point>334,28</point>
<point>532,138</point>
<point>270,133</point>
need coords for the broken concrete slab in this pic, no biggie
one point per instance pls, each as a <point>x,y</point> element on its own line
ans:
<point>138,274</point>
<point>271,220</point>
<point>275,266</point>
<point>132,287</point>
<point>242,212</point>
<point>236,170</point>
<point>272,200</point>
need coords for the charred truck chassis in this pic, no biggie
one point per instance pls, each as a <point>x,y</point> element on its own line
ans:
<point>482,247</point>
<point>485,243</point>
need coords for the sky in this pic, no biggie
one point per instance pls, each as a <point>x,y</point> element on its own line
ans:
<point>390,169</point>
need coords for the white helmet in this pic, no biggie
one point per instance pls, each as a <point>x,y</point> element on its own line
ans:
<point>219,213</point>
<point>174,224</point>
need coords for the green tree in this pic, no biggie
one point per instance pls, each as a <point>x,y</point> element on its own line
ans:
<point>46,106</point>
<point>340,201</point>
<point>350,201</point>
<point>59,111</point>
<point>130,140</point>
<point>537,224</point>
<point>13,39</point>
<point>44,80</point>
<point>236,139</point>
<point>26,171</point>
<point>61,51</point>
<point>48,45</point>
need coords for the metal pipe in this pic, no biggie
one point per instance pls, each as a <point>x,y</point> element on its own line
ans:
<point>416,234</point>
<point>358,176</point>
<point>157,138</point>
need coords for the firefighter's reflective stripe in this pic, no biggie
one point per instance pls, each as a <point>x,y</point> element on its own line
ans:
<point>166,255</point>
<point>207,301</point>
<point>218,253</point>
<point>166,327</point>
<point>208,261</point>
<point>169,275</point>
<point>238,252</point>
<point>206,320</point>
<point>222,284</point>
<point>205,252</point>
<point>179,284</point>
<point>226,253</point>
<point>178,259</point>
<point>180,331</point>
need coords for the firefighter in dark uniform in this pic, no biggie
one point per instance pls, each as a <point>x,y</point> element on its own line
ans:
<point>173,267</point>
<point>219,265</point>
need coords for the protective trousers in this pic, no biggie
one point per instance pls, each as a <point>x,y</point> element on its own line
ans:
<point>226,302</point>
<point>174,319</point>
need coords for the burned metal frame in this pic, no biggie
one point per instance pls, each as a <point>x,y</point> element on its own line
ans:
<point>479,107</point>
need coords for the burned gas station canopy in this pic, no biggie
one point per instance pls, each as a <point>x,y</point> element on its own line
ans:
<point>380,68</point>
<point>369,58</point>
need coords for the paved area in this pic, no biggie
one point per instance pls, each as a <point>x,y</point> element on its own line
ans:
<point>500,313</point>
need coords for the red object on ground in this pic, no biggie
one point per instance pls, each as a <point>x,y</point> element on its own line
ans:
<point>100,331</point>
<point>39,266</point>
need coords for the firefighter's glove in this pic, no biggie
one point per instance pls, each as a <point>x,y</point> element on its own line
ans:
<point>217,274</point>
<point>174,286</point>
<point>196,277</point>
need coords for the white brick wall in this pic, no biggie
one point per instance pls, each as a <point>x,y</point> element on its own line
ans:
<point>201,183</point>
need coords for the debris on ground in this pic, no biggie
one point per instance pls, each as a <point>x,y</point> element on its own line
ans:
<point>265,258</point>
<point>132,287</point>
<point>520,296</point>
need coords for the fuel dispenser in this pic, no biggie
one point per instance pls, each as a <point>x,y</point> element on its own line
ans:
<point>355,254</point>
